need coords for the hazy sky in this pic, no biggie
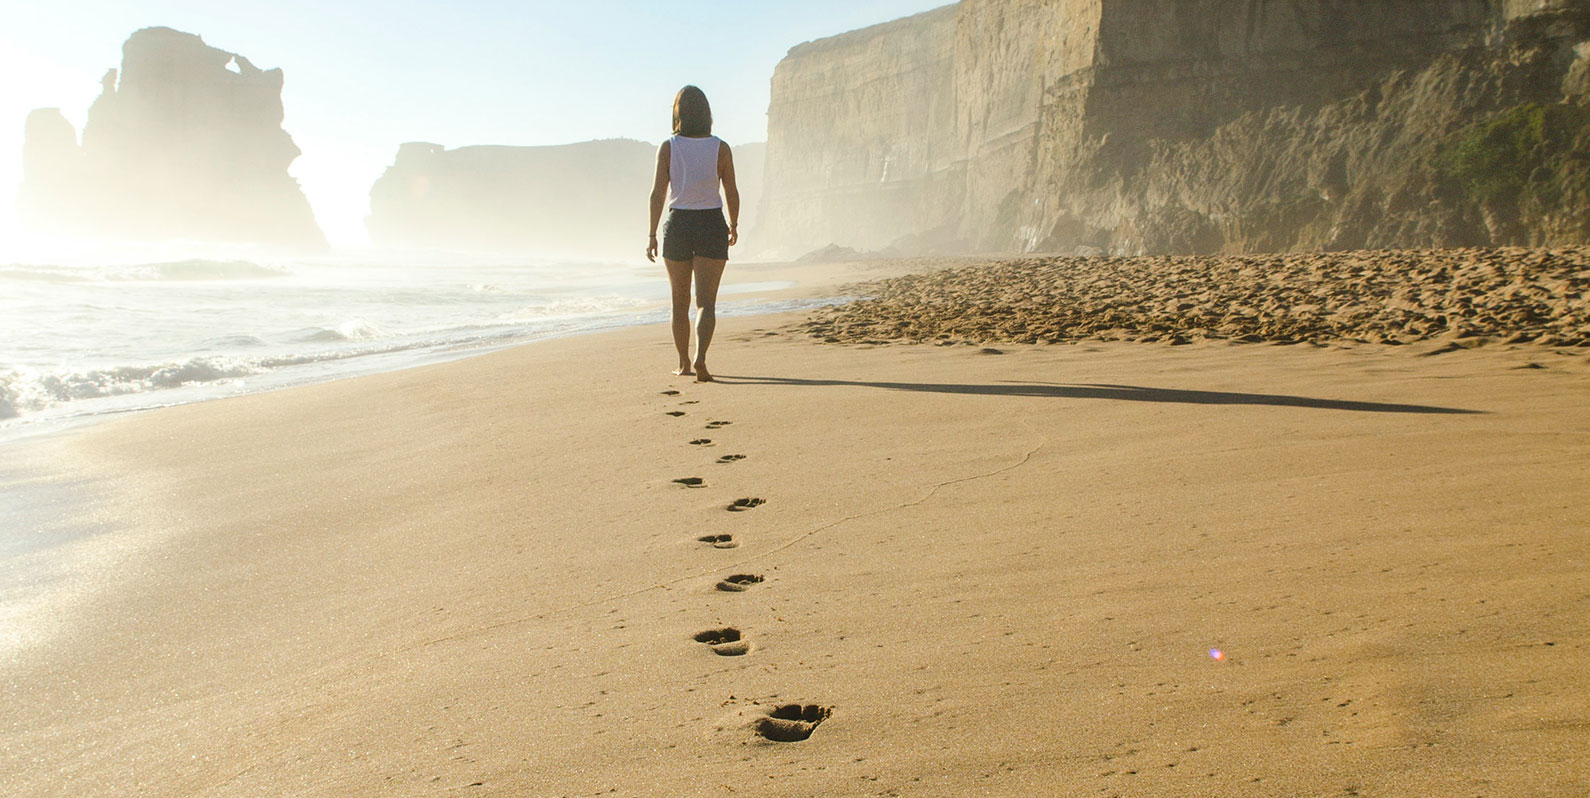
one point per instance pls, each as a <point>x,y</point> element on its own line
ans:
<point>362,77</point>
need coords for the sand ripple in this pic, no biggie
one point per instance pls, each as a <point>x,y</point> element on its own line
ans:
<point>1392,297</point>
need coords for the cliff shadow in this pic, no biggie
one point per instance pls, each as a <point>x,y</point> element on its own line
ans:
<point>1120,393</point>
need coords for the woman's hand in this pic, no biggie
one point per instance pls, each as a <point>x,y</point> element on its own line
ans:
<point>734,234</point>
<point>651,248</point>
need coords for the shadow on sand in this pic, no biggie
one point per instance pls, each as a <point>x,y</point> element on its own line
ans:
<point>1126,393</point>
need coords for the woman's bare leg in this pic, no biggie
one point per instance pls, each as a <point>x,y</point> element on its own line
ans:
<point>679,315</point>
<point>708,273</point>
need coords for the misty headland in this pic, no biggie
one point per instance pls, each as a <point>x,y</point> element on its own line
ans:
<point>1160,397</point>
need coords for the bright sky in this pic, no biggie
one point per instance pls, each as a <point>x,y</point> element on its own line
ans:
<point>364,76</point>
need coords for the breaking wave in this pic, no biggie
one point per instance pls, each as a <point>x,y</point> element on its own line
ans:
<point>26,390</point>
<point>574,306</point>
<point>169,271</point>
<point>233,342</point>
<point>30,390</point>
<point>353,330</point>
<point>202,270</point>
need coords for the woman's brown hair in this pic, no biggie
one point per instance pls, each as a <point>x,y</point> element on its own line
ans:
<point>692,114</point>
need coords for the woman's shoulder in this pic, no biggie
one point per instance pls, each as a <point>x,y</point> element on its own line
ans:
<point>698,142</point>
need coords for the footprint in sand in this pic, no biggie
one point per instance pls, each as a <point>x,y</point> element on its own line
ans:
<point>792,723</point>
<point>676,413</point>
<point>741,505</point>
<point>719,541</point>
<point>724,642</point>
<point>718,424</point>
<point>670,393</point>
<point>691,482</point>
<point>730,458</point>
<point>701,442</point>
<point>739,582</point>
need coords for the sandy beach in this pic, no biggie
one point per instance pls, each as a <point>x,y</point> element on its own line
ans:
<point>987,568</point>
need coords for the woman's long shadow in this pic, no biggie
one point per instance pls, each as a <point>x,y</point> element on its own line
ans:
<point>1126,393</point>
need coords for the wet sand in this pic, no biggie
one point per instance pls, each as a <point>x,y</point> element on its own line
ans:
<point>979,573</point>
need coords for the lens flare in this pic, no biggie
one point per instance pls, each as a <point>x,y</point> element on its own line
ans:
<point>1217,654</point>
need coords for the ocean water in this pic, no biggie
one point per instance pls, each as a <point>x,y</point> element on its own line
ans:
<point>96,336</point>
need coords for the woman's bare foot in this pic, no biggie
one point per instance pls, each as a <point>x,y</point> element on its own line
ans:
<point>683,371</point>
<point>702,375</point>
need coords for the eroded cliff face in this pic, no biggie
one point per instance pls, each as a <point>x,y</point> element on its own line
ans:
<point>587,199</point>
<point>1162,126</point>
<point>861,145</point>
<point>185,142</point>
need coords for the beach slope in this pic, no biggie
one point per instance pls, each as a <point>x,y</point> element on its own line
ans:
<point>1091,568</point>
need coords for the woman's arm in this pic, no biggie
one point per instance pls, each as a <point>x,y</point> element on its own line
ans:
<point>731,191</point>
<point>659,195</point>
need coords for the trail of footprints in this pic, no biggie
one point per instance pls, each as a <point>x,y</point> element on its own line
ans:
<point>786,723</point>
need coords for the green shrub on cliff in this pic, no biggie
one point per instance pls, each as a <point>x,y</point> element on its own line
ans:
<point>1530,155</point>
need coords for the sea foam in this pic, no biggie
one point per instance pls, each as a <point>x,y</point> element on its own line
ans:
<point>29,390</point>
<point>351,330</point>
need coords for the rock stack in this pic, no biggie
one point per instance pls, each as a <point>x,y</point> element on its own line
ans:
<point>184,142</point>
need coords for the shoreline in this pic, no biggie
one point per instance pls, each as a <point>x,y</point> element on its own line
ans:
<point>747,295</point>
<point>55,503</point>
<point>995,572</point>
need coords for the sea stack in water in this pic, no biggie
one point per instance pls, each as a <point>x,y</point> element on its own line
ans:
<point>185,142</point>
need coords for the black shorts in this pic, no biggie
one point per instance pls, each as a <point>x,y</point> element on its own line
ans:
<point>695,234</point>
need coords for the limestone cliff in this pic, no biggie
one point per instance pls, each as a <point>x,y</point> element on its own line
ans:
<point>575,199</point>
<point>1155,126</point>
<point>861,140</point>
<point>185,142</point>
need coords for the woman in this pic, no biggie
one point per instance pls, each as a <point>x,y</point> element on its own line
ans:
<point>696,241</point>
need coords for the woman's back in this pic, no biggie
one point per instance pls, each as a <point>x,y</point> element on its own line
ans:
<point>693,173</point>
<point>692,165</point>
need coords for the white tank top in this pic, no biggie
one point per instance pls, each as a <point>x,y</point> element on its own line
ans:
<point>693,173</point>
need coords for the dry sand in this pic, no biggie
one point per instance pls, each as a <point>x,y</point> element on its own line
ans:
<point>1387,297</point>
<point>1000,574</point>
